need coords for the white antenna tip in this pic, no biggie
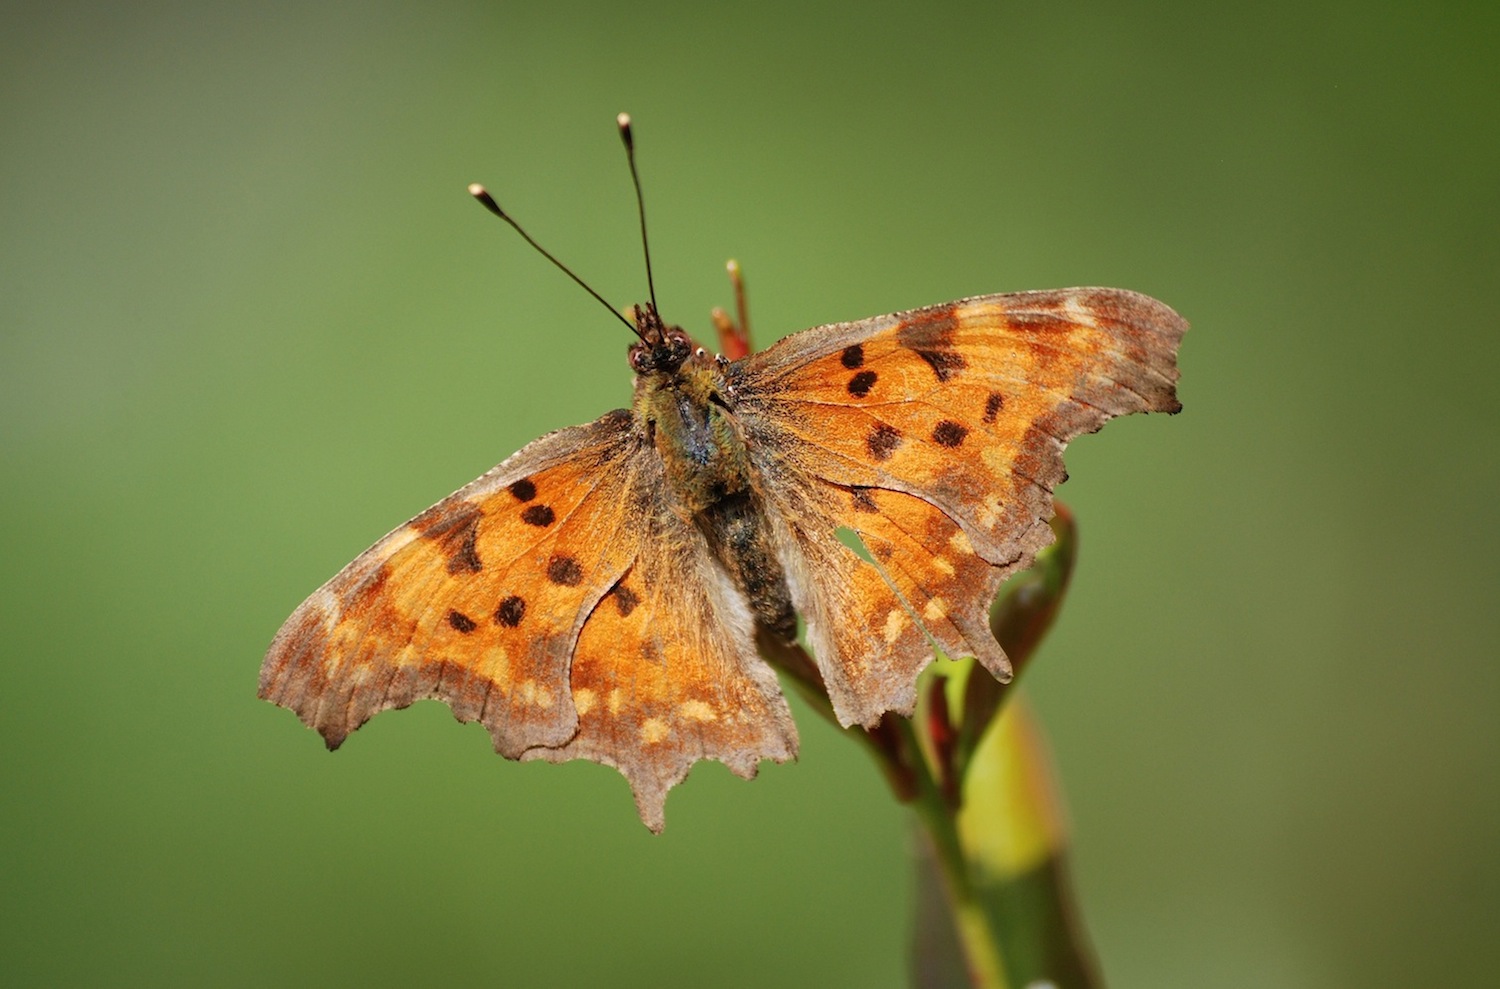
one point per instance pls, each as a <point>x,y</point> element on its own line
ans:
<point>476,190</point>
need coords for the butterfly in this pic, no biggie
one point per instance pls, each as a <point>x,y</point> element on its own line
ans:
<point>599,594</point>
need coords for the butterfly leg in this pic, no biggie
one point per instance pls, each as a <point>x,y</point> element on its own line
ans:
<point>734,337</point>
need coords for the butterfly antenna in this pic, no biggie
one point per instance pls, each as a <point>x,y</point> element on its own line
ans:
<point>623,122</point>
<point>488,202</point>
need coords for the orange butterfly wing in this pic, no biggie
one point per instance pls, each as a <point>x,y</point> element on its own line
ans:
<point>936,435</point>
<point>666,672</point>
<point>506,601</point>
<point>477,601</point>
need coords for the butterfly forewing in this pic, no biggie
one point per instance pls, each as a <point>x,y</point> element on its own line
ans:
<point>478,601</point>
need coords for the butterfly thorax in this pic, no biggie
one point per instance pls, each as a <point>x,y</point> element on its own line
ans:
<point>683,408</point>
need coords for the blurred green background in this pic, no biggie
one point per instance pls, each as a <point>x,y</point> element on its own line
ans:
<point>249,321</point>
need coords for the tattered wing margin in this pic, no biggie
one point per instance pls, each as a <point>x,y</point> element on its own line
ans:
<point>301,675</point>
<point>1141,377</point>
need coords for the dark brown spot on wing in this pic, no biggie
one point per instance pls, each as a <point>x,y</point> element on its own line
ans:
<point>523,489</point>
<point>944,363</point>
<point>511,611</point>
<point>931,330</point>
<point>861,383</point>
<point>862,500</point>
<point>539,515</point>
<point>461,621</point>
<point>625,600</point>
<point>853,356</point>
<point>993,405</point>
<point>882,441</point>
<point>465,558</point>
<point>564,570</point>
<point>444,518</point>
<point>949,433</point>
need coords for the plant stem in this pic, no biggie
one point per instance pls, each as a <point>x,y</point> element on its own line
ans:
<point>971,922</point>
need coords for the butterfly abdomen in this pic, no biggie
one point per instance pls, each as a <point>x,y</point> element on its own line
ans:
<point>742,543</point>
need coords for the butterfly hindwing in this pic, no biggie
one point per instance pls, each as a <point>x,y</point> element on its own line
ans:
<point>666,671</point>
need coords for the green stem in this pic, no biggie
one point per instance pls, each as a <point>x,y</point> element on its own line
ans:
<point>971,922</point>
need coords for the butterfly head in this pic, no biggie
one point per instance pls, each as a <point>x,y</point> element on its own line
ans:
<point>661,348</point>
